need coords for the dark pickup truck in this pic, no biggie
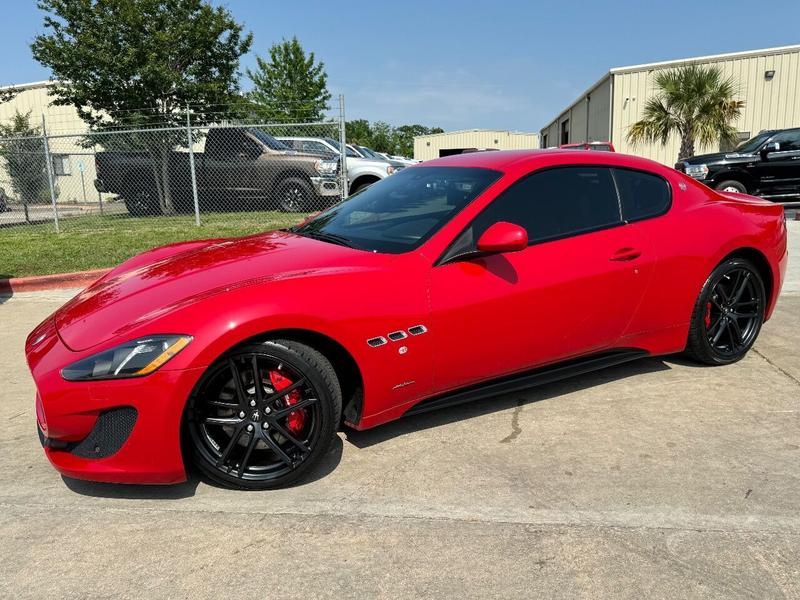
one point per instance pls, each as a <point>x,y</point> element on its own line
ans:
<point>240,169</point>
<point>767,165</point>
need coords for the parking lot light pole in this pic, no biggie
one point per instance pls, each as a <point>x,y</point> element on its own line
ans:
<point>50,175</point>
<point>191,168</point>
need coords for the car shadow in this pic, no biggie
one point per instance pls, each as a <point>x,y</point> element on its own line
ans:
<point>122,491</point>
<point>479,408</point>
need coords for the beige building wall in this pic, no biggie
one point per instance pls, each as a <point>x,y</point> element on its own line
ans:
<point>769,103</point>
<point>73,165</point>
<point>427,147</point>
<point>617,100</point>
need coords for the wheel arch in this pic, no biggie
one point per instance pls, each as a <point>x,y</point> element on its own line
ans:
<point>761,263</point>
<point>344,363</point>
<point>366,178</point>
<point>737,175</point>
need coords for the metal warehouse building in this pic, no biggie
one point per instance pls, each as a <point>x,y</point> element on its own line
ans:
<point>435,145</point>
<point>767,80</point>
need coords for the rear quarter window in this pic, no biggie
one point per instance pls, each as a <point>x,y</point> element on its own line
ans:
<point>643,195</point>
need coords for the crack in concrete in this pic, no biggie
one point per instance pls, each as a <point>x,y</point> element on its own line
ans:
<point>515,428</point>
<point>780,370</point>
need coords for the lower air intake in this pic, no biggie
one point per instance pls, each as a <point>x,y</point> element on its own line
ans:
<point>110,432</point>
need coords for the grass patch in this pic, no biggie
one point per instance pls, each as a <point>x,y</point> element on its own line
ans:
<point>95,242</point>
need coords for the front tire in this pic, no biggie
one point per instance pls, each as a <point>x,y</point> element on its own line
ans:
<point>263,415</point>
<point>295,195</point>
<point>731,185</point>
<point>728,314</point>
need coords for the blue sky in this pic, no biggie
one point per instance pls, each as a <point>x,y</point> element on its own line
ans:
<point>461,64</point>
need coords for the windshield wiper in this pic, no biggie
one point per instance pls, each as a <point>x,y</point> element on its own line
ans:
<point>328,237</point>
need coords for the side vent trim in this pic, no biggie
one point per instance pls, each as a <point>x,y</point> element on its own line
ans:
<point>417,330</point>
<point>376,341</point>
<point>398,335</point>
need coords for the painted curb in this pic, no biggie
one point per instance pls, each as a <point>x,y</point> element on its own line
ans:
<point>50,282</point>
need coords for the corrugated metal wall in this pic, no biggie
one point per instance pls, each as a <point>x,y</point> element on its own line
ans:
<point>427,147</point>
<point>769,104</point>
<point>588,119</point>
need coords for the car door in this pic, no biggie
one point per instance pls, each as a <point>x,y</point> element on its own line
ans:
<point>229,162</point>
<point>572,291</point>
<point>778,171</point>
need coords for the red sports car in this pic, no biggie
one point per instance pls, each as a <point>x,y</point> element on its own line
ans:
<point>455,279</point>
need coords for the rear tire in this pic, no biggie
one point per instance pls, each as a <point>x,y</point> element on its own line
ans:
<point>272,445</point>
<point>141,203</point>
<point>731,185</point>
<point>728,314</point>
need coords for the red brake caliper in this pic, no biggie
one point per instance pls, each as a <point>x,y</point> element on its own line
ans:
<point>296,419</point>
<point>707,316</point>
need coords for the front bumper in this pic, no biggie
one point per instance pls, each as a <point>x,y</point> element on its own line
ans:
<point>120,431</point>
<point>325,186</point>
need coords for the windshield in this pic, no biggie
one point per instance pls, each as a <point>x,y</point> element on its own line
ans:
<point>753,144</point>
<point>399,213</point>
<point>335,143</point>
<point>266,139</point>
<point>371,153</point>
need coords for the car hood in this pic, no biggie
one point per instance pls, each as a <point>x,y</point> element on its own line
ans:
<point>717,158</point>
<point>157,282</point>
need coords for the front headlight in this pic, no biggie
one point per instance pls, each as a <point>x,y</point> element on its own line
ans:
<point>326,167</point>
<point>132,359</point>
<point>697,171</point>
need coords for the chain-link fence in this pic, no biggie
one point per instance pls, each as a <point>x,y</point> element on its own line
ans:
<point>247,172</point>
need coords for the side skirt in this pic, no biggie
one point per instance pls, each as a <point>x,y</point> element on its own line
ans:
<point>529,379</point>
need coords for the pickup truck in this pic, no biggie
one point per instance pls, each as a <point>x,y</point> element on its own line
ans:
<point>767,165</point>
<point>240,169</point>
<point>361,172</point>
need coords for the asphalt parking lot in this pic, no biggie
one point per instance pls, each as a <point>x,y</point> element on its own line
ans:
<point>654,479</point>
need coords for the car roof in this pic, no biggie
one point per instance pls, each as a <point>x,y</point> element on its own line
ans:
<point>506,160</point>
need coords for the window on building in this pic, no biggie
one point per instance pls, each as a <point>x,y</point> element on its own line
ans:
<point>544,141</point>
<point>61,164</point>
<point>643,195</point>
<point>565,131</point>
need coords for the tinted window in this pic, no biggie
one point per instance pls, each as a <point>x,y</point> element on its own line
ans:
<point>555,203</point>
<point>643,195</point>
<point>400,212</point>
<point>788,140</point>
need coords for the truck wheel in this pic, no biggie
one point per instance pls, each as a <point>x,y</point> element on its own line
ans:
<point>141,203</point>
<point>731,185</point>
<point>294,195</point>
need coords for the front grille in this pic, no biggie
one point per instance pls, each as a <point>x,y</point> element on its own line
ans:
<point>110,432</point>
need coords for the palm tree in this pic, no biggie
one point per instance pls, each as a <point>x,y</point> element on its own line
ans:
<point>695,102</point>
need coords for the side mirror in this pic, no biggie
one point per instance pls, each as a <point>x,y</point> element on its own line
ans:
<point>503,237</point>
<point>770,147</point>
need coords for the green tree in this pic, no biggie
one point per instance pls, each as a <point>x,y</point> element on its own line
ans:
<point>359,132</point>
<point>289,86</point>
<point>404,137</point>
<point>698,103</point>
<point>22,152</point>
<point>139,63</point>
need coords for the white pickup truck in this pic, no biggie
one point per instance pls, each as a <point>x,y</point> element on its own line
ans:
<point>361,172</point>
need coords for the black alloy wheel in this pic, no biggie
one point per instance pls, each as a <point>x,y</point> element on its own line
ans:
<point>294,195</point>
<point>728,314</point>
<point>263,415</point>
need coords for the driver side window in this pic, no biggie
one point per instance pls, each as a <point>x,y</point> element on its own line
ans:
<point>789,141</point>
<point>550,204</point>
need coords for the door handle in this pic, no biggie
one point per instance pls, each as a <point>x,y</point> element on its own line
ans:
<point>625,254</point>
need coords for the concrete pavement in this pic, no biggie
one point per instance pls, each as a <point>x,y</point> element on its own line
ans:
<point>654,479</point>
